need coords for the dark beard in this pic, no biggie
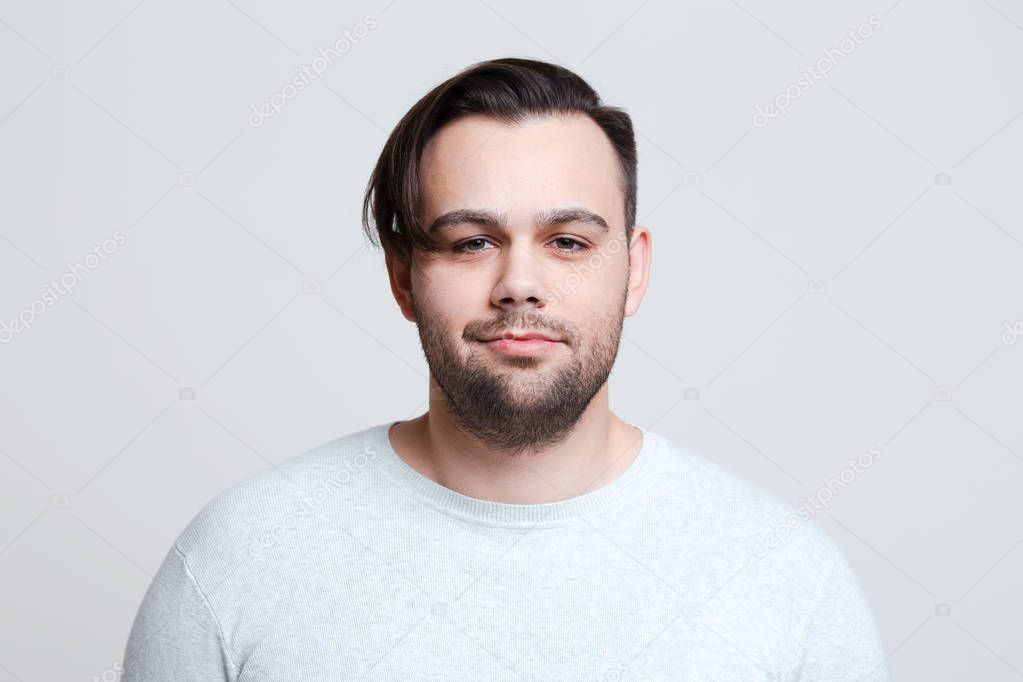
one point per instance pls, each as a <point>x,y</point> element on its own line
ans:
<point>482,401</point>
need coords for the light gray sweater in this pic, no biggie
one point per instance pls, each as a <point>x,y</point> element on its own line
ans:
<point>347,563</point>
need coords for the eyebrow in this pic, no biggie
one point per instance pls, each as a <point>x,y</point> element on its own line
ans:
<point>544,218</point>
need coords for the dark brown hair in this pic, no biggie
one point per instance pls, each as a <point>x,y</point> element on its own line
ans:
<point>509,89</point>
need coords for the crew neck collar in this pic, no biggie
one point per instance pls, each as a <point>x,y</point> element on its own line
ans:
<point>626,486</point>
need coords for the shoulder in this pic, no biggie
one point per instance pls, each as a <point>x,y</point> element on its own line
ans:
<point>704,498</point>
<point>242,520</point>
<point>750,552</point>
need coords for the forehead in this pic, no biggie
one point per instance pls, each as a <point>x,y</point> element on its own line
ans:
<point>542,162</point>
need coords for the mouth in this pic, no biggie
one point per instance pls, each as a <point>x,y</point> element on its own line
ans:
<point>521,336</point>
<point>522,343</point>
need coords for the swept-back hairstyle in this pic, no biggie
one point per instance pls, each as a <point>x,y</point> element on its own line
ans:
<point>508,89</point>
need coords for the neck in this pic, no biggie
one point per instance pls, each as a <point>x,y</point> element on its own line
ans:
<point>599,448</point>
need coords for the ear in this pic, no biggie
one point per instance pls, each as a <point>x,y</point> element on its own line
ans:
<point>639,268</point>
<point>400,275</point>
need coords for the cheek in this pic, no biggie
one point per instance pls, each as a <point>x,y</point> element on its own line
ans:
<point>458,300</point>
<point>450,284</point>
<point>442,309</point>
<point>595,294</point>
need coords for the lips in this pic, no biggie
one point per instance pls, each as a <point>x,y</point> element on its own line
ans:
<point>521,336</point>
<point>526,344</point>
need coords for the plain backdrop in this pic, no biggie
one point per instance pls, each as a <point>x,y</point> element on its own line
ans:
<point>842,275</point>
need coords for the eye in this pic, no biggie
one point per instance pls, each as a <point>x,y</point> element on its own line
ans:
<point>582,246</point>
<point>564,245</point>
<point>461,248</point>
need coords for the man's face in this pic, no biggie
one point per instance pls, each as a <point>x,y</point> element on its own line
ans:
<point>503,270</point>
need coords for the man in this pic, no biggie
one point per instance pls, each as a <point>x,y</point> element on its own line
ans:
<point>517,530</point>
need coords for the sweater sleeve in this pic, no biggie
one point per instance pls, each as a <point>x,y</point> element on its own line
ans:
<point>176,635</point>
<point>841,640</point>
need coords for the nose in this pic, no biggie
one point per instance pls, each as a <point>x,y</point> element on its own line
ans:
<point>521,282</point>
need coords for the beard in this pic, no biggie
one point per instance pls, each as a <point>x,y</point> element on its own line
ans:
<point>517,404</point>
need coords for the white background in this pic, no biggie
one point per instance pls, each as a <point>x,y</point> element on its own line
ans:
<point>842,277</point>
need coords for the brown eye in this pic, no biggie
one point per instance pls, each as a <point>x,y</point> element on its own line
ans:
<point>462,248</point>
<point>570,241</point>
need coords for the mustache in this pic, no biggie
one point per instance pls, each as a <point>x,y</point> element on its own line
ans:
<point>535,323</point>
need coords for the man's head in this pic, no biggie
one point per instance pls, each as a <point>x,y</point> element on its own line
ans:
<point>505,202</point>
